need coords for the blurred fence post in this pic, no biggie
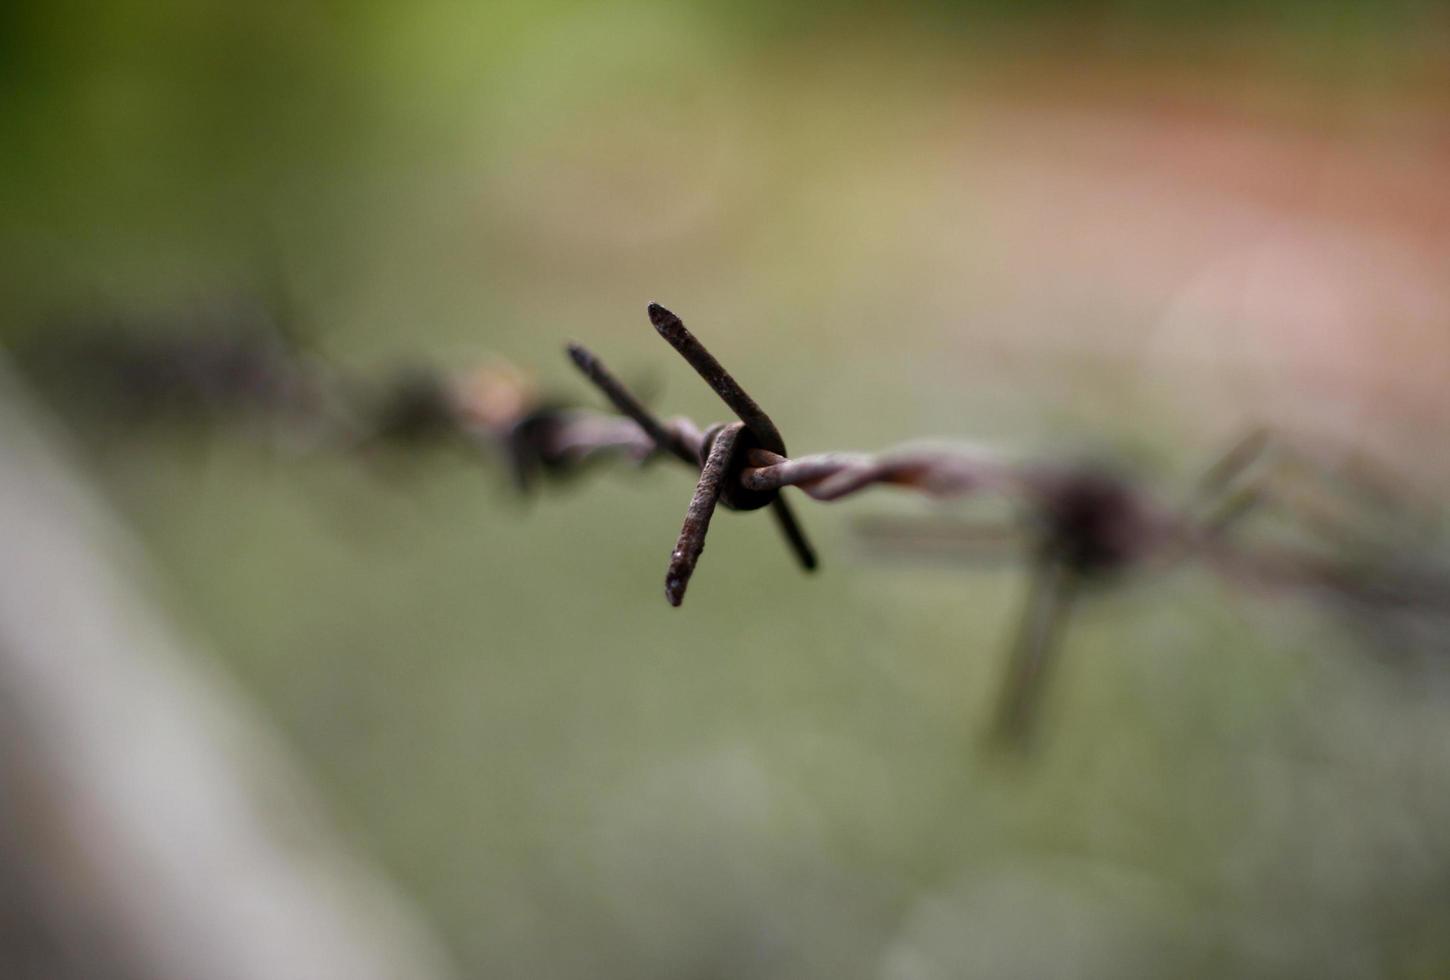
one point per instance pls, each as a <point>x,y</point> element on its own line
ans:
<point>151,825</point>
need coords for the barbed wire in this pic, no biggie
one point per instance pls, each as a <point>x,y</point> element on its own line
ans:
<point>1078,523</point>
<point>1085,523</point>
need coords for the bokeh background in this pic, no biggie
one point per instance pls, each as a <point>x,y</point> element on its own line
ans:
<point>1120,227</point>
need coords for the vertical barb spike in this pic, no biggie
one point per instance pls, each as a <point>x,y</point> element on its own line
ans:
<point>1034,649</point>
<point>697,518</point>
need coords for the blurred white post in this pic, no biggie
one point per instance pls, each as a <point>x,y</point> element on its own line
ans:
<point>151,825</point>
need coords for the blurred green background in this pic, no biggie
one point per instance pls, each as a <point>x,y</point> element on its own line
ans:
<point>1129,226</point>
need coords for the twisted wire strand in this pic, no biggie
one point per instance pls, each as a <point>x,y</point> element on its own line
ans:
<point>236,377</point>
<point>936,472</point>
<point>1151,529</point>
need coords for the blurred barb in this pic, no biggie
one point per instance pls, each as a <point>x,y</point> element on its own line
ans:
<point>1051,587</point>
<point>684,445</point>
<point>1351,499</point>
<point>246,373</point>
<point>209,372</point>
<point>153,827</point>
<point>1087,525</point>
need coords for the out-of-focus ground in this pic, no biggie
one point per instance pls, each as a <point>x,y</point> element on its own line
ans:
<point>1057,232</point>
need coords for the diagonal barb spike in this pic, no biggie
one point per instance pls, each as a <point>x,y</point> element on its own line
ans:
<point>673,329</point>
<point>624,400</point>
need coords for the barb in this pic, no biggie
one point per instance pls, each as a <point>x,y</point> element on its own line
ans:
<point>672,328</point>
<point>667,440</point>
<point>1052,585</point>
<point>790,528</point>
<point>702,507</point>
<point>755,430</point>
<point>250,377</point>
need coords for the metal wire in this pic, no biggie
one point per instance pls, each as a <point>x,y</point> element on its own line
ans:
<point>1083,523</point>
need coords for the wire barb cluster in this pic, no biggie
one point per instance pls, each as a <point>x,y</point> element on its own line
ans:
<point>720,451</point>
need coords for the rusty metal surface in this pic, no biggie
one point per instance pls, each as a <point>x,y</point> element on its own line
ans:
<point>673,330</point>
<point>702,507</point>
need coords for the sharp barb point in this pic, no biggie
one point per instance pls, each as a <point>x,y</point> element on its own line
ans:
<point>661,317</point>
<point>794,535</point>
<point>713,373</point>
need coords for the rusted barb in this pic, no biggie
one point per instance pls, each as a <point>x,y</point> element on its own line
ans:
<point>691,541</point>
<point>673,329</point>
<point>621,398</point>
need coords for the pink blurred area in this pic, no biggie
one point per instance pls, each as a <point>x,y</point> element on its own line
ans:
<point>1284,267</point>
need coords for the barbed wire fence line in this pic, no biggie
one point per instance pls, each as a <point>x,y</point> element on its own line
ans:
<point>1078,523</point>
